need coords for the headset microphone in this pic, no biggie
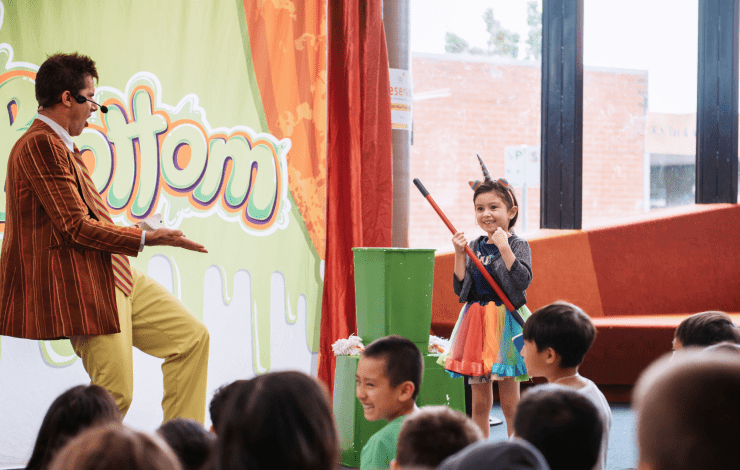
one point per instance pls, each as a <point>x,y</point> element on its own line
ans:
<point>81,99</point>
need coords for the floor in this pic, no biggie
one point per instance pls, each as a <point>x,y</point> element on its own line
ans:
<point>622,439</point>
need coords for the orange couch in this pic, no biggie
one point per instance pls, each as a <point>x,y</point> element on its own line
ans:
<point>637,280</point>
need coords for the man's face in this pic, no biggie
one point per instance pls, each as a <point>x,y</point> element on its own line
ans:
<point>80,113</point>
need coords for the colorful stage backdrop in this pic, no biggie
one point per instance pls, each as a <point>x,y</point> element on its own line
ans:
<point>217,121</point>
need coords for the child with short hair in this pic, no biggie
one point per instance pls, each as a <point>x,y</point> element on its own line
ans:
<point>688,413</point>
<point>220,399</point>
<point>431,435</point>
<point>388,380</point>
<point>556,339</point>
<point>562,424</point>
<point>705,329</point>
<point>189,440</point>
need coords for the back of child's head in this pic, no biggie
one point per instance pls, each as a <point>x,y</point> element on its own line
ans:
<point>432,434</point>
<point>724,346</point>
<point>114,447</point>
<point>706,329</point>
<point>283,421</point>
<point>563,424</point>
<point>71,413</point>
<point>688,410</point>
<point>403,361</point>
<point>563,327</point>
<point>513,454</point>
<point>220,399</point>
<point>189,440</point>
<point>503,191</point>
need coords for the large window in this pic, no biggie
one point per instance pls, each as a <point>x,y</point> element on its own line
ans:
<point>639,107</point>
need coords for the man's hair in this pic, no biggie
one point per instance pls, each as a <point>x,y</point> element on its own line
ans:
<point>688,410</point>
<point>72,412</point>
<point>403,361</point>
<point>189,440</point>
<point>563,424</point>
<point>220,399</point>
<point>116,446</point>
<point>563,327</point>
<point>432,434</point>
<point>60,73</point>
<point>283,421</point>
<point>706,329</point>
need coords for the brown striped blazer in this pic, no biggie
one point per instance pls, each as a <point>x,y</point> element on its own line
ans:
<point>55,267</point>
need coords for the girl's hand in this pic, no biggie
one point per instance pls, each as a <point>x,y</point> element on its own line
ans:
<point>459,241</point>
<point>500,238</point>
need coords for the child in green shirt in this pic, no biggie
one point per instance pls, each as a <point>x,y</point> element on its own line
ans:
<point>388,380</point>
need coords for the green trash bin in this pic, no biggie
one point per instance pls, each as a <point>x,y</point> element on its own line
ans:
<point>393,291</point>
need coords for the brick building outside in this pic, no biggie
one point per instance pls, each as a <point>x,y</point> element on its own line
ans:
<point>466,105</point>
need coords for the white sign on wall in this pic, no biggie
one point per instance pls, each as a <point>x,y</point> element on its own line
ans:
<point>522,165</point>
<point>401,99</point>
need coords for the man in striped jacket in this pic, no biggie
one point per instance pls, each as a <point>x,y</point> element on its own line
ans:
<point>64,271</point>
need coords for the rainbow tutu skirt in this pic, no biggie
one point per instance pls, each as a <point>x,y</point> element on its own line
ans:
<point>481,343</point>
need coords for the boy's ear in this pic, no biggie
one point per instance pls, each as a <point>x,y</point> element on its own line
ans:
<point>407,390</point>
<point>552,357</point>
<point>394,465</point>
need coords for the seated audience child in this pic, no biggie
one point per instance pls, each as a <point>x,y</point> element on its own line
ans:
<point>514,454</point>
<point>556,339</point>
<point>688,410</point>
<point>431,435</point>
<point>724,346</point>
<point>71,413</point>
<point>115,447</point>
<point>278,420</point>
<point>562,424</point>
<point>220,399</point>
<point>189,440</point>
<point>705,329</point>
<point>388,379</point>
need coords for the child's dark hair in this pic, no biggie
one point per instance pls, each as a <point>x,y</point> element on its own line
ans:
<point>432,434</point>
<point>220,399</point>
<point>72,412</point>
<point>189,440</point>
<point>506,194</point>
<point>562,424</point>
<point>281,420</point>
<point>403,361</point>
<point>706,329</point>
<point>563,327</point>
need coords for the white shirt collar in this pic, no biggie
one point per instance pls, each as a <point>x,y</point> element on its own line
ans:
<point>61,132</point>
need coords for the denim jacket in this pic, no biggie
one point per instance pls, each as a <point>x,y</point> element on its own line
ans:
<point>513,282</point>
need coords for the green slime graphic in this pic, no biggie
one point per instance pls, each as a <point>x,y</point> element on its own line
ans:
<point>202,51</point>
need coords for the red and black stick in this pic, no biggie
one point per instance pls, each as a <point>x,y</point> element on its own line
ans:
<point>509,306</point>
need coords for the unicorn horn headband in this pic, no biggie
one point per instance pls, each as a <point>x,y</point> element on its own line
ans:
<point>487,177</point>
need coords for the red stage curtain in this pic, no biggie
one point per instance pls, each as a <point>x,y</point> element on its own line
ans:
<point>359,189</point>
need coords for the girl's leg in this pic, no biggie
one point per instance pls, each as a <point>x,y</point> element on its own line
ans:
<point>482,395</point>
<point>508,390</point>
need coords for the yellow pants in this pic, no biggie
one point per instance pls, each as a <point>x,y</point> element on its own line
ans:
<point>155,322</point>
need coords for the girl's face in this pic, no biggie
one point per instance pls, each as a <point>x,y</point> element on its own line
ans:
<point>491,212</point>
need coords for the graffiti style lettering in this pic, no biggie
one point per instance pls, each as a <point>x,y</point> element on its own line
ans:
<point>143,149</point>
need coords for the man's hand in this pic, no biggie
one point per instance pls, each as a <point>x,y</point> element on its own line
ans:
<point>169,237</point>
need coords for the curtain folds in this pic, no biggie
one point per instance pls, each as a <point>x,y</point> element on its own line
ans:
<point>359,189</point>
